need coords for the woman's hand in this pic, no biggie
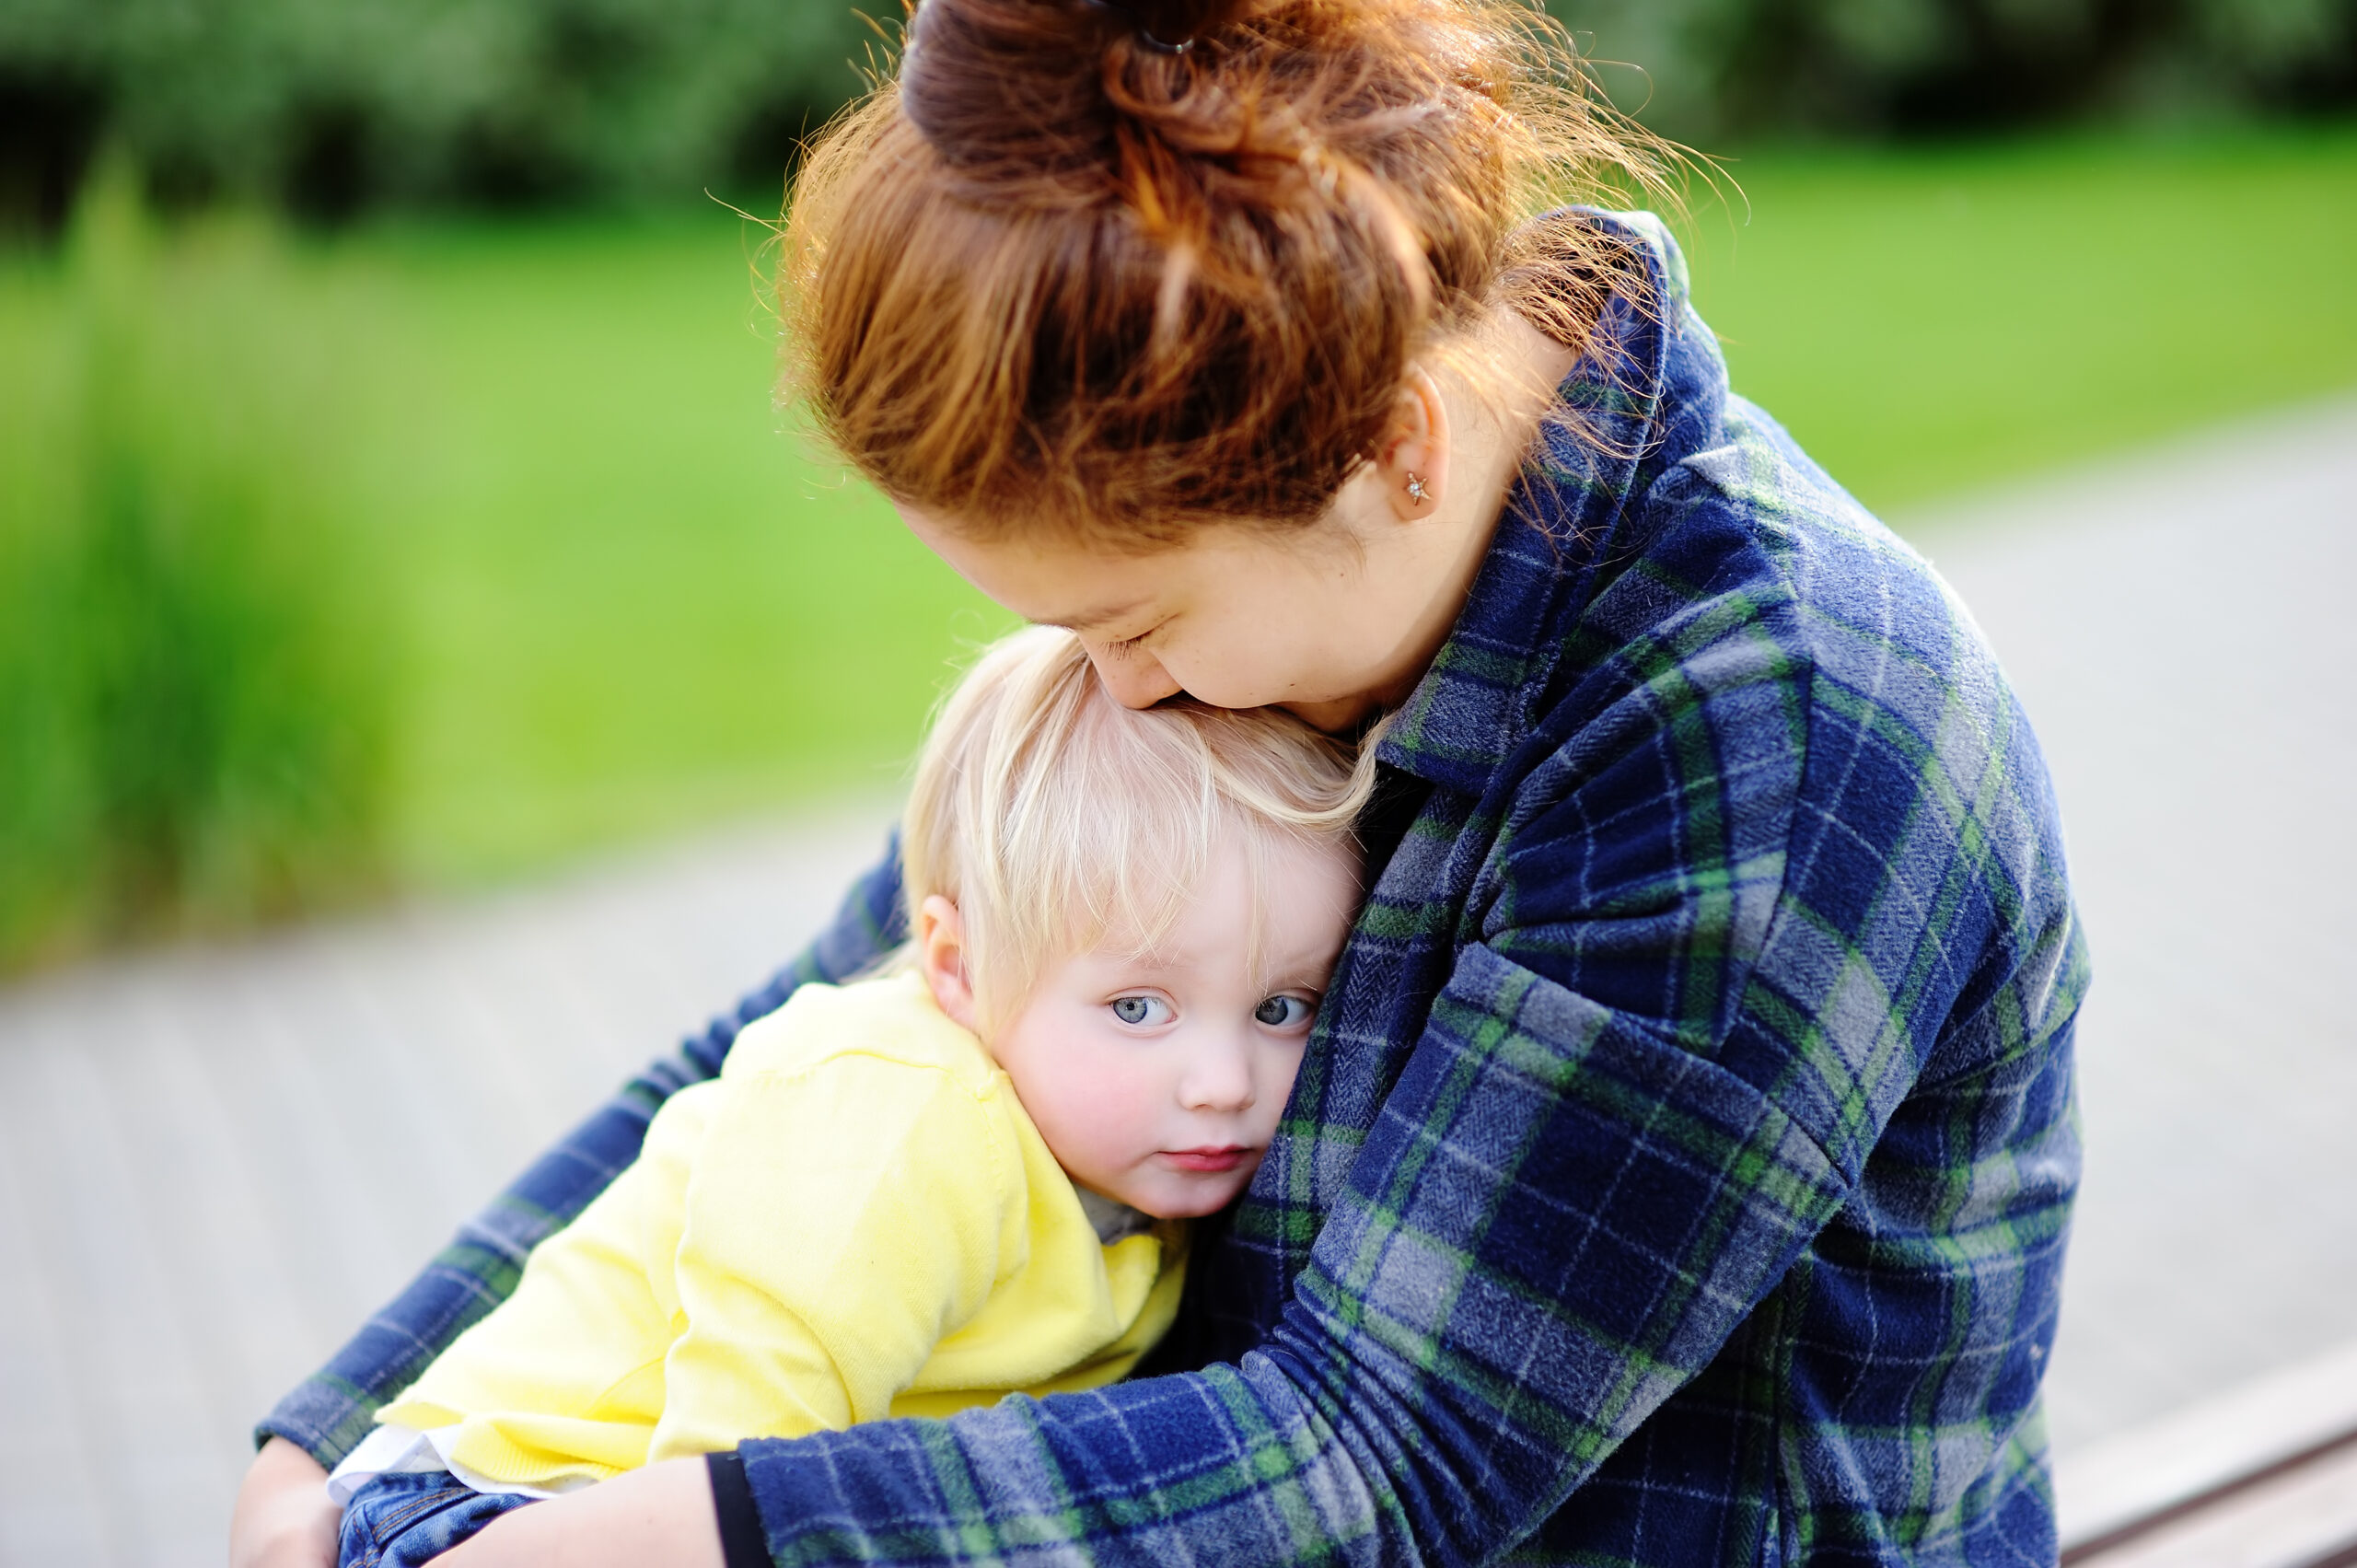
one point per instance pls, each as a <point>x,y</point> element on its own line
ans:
<point>662,1514</point>
<point>284,1517</point>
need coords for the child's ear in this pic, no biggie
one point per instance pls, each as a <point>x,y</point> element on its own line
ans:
<point>941,955</point>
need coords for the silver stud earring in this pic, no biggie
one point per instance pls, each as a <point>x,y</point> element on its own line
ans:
<point>1417,491</point>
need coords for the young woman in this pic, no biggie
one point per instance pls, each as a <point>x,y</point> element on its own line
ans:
<point>1679,1169</point>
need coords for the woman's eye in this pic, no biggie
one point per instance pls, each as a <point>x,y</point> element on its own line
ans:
<point>1140,1011</point>
<point>1283,1012</point>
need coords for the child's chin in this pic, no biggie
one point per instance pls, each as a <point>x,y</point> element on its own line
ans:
<point>1191,1201</point>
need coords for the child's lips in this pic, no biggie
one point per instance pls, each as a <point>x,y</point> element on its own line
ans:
<point>1208,1160</point>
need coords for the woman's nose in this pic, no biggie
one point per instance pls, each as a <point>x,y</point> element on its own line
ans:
<point>1133,678</point>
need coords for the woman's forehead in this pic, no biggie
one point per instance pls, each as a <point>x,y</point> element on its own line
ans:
<point>1056,579</point>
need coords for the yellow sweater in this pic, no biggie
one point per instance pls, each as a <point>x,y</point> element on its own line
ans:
<point>856,1220</point>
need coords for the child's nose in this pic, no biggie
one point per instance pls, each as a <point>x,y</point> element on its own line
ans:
<point>1219,1077</point>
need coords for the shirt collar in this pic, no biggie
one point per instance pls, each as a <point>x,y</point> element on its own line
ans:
<point>1563,524</point>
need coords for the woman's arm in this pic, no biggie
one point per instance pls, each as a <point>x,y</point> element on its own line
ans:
<point>1438,1385</point>
<point>331,1411</point>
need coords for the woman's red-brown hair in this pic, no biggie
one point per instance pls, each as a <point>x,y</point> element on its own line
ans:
<point>1121,269</point>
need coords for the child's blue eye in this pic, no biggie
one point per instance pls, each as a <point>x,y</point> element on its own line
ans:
<point>1140,1011</point>
<point>1282,1012</point>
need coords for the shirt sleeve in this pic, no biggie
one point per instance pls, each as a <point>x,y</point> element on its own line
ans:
<point>1565,1206</point>
<point>841,1221</point>
<point>332,1410</point>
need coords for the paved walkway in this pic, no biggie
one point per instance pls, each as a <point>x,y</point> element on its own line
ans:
<point>213,1164</point>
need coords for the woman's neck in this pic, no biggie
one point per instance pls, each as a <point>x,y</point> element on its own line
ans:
<point>1490,435</point>
<point>1501,430</point>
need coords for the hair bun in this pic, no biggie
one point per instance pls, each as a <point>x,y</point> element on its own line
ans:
<point>1061,276</point>
<point>1172,25</point>
<point>1021,84</point>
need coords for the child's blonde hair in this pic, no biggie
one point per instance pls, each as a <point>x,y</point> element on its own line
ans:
<point>1053,816</point>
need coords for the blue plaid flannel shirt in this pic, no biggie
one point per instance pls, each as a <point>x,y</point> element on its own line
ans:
<point>1680,1167</point>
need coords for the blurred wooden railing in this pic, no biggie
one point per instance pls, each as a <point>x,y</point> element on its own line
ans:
<point>2262,1476</point>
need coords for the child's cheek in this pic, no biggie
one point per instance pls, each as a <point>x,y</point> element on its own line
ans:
<point>1097,1114</point>
<point>1121,1110</point>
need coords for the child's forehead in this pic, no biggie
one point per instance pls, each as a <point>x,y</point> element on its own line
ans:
<point>1274,927</point>
<point>1173,962</point>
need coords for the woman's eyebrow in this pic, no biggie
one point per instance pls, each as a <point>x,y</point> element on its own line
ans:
<point>1096,617</point>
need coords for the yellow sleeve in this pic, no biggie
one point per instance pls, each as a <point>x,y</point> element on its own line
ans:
<point>840,1222</point>
<point>563,1380</point>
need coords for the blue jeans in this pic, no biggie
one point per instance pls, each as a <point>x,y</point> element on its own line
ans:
<point>402,1520</point>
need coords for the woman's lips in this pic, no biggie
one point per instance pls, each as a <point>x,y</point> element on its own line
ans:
<point>1208,1160</point>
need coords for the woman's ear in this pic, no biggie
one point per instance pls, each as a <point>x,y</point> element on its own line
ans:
<point>940,956</point>
<point>1412,463</point>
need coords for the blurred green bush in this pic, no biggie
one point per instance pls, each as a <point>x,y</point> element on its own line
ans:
<point>336,105</point>
<point>194,692</point>
<point>331,106</point>
<point>1706,70</point>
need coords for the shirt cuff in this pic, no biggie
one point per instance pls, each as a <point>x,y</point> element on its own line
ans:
<point>743,1543</point>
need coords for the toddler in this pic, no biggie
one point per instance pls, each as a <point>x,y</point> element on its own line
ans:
<point>965,1176</point>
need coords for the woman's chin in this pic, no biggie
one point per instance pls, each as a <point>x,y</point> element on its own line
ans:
<point>1337,715</point>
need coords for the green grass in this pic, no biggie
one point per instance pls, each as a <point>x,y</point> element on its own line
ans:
<point>636,603</point>
<point>1930,321</point>
<point>628,603</point>
<point>195,668</point>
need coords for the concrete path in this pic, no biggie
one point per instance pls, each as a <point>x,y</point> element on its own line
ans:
<point>213,1164</point>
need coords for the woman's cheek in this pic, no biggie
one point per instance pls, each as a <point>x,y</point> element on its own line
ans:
<point>1229,669</point>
